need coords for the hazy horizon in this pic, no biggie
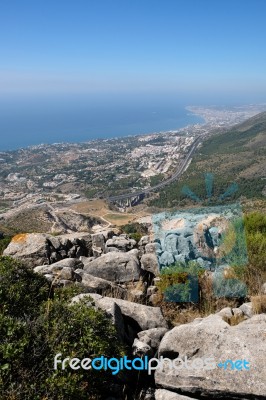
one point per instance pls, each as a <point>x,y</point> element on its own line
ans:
<point>68,61</point>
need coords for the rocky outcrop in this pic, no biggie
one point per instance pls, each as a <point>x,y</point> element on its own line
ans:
<point>35,249</point>
<point>98,285</point>
<point>213,337</point>
<point>122,242</point>
<point>31,248</point>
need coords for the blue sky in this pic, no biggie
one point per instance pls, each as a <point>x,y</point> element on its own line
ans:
<point>187,46</point>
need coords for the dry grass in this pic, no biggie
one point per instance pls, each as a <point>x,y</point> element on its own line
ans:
<point>259,303</point>
<point>119,219</point>
<point>99,208</point>
<point>234,320</point>
<point>254,278</point>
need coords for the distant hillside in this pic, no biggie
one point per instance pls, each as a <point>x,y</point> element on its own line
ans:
<point>47,219</point>
<point>238,155</point>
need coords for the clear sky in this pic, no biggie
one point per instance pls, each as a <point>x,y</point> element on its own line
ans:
<point>110,46</point>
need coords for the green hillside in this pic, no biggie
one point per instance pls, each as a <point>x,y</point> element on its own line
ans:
<point>236,156</point>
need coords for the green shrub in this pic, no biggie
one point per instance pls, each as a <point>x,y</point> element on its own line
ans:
<point>21,290</point>
<point>179,282</point>
<point>4,243</point>
<point>35,325</point>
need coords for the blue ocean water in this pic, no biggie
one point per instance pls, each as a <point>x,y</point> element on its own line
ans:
<point>34,120</point>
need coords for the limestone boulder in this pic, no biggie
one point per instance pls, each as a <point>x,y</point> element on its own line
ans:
<point>149,262</point>
<point>31,248</point>
<point>122,243</point>
<point>115,267</point>
<point>37,249</point>
<point>97,285</point>
<point>212,337</point>
<point>143,317</point>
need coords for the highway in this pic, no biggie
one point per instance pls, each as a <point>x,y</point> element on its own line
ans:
<point>165,182</point>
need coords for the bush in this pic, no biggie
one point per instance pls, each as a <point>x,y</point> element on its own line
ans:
<point>179,283</point>
<point>4,242</point>
<point>35,325</point>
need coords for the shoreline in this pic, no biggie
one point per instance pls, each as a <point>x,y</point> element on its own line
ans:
<point>210,115</point>
<point>105,139</point>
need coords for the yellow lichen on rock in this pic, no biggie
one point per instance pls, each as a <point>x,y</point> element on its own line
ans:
<point>20,238</point>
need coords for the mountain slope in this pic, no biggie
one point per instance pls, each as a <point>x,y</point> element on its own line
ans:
<point>237,155</point>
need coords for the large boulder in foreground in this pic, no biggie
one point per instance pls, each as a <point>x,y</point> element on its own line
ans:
<point>36,249</point>
<point>213,337</point>
<point>115,267</point>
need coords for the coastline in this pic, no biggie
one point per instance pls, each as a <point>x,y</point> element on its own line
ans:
<point>111,137</point>
<point>211,117</point>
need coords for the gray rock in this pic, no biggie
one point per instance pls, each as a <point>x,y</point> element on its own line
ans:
<point>97,285</point>
<point>98,244</point>
<point>86,259</point>
<point>226,312</point>
<point>72,263</point>
<point>141,349</point>
<point>108,234</point>
<point>152,336</point>
<point>136,295</point>
<point>115,267</point>
<point>78,238</point>
<point>31,248</point>
<point>36,249</point>
<point>237,312</point>
<point>153,248</point>
<point>247,310</point>
<point>65,282</point>
<point>55,241</point>
<point>66,273</point>
<point>42,269</point>
<point>110,249</point>
<point>162,394</point>
<point>97,251</point>
<point>144,240</point>
<point>49,277</point>
<point>263,288</point>
<point>146,317</point>
<point>166,259</point>
<point>152,290</point>
<point>213,337</point>
<point>149,262</point>
<point>121,242</point>
<point>134,252</point>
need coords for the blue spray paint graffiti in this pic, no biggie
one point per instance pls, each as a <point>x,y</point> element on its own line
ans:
<point>189,242</point>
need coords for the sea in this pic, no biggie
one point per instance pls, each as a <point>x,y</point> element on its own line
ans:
<point>33,120</point>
